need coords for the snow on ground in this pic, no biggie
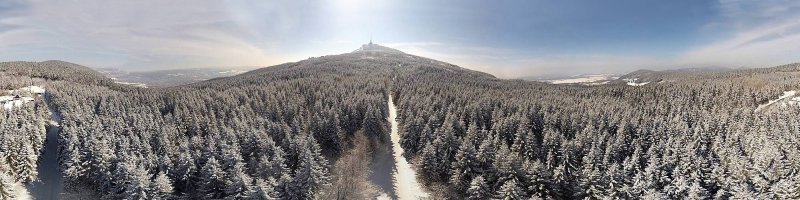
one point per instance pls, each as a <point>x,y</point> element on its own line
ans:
<point>794,101</point>
<point>637,84</point>
<point>50,184</point>
<point>586,79</point>
<point>786,94</point>
<point>589,80</point>
<point>405,179</point>
<point>33,89</point>
<point>16,98</point>
<point>632,82</point>
<point>141,85</point>
<point>19,97</point>
<point>596,83</point>
<point>10,102</point>
<point>383,196</point>
<point>382,168</point>
<point>233,72</point>
<point>20,192</point>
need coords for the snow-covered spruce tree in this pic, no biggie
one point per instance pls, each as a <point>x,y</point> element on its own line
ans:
<point>536,177</point>
<point>182,170</point>
<point>478,189</point>
<point>510,191</point>
<point>161,187</point>
<point>311,173</point>
<point>326,131</point>
<point>697,192</point>
<point>787,188</point>
<point>679,118</point>
<point>506,162</point>
<point>653,194</point>
<point>486,159</point>
<point>465,167</point>
<point>263,190</point>
<point>71,162</point>
<point>130,180</point>
<point>7,190</point>
<point>237,182</point>
<point>211,183</point>
<point>435,152</point>
<point>22,133</point>
<point>431,163</point>
<point>177,129</point>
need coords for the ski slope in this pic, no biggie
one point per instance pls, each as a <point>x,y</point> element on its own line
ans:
<point>405,179</point>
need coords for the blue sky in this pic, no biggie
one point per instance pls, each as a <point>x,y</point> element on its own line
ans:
<point>509,39</point>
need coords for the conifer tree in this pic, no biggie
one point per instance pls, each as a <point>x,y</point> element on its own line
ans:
<point>7,190</point>
<point>510,191</point>
<point>211,181</point>
<point>161,187</point>
<point>478,189</point>
<point>464,167</point>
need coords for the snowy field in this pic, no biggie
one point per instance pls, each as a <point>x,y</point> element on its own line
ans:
<point>141,85</point>
<point>233,72</point>
<point>18,97</point>
<point>632,82</point>
<point>593,79</point>
<point>405,178</point>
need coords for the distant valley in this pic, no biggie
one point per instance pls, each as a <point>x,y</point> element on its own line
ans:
<point>166,78</point>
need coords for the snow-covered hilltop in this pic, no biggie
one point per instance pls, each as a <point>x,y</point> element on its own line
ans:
<point>371,47</point>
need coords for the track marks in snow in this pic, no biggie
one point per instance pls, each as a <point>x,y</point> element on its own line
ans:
<point>785,95</point>
<point>406,185</point>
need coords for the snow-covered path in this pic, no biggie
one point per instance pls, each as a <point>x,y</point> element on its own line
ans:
<point>405,179</point>
<point>785,95</point>
<point>382,168</point>
<point>50,182</point>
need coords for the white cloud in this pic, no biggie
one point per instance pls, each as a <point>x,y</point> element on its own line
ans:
<point>763,33</point>
<point>188,33</point>
<point>141,34</point>
<point>763,46</point>
<point>512,63</point>
<point>754,34</point>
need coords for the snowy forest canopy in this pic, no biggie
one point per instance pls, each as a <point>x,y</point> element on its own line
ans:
<point>285,132</point>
